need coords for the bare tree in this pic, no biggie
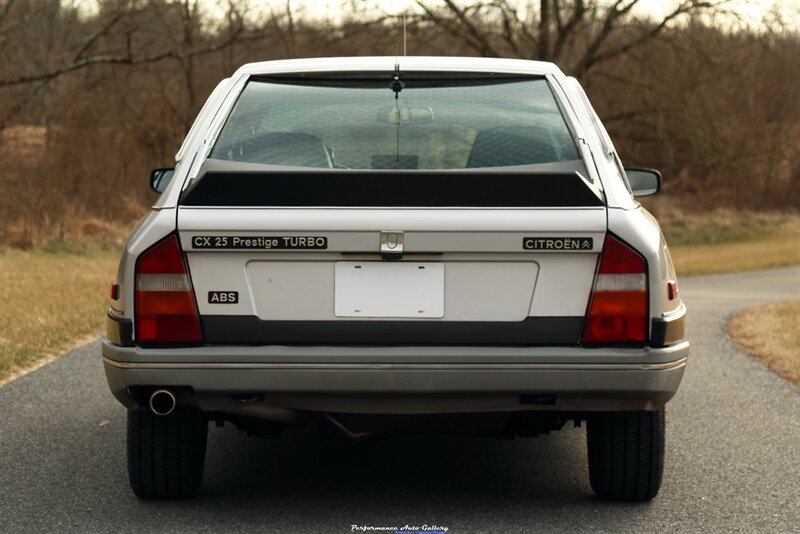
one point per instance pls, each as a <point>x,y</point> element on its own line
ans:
<point>579,34</point>
<point>90,102</point>
<point>128,58</point>
<point>120,35</point>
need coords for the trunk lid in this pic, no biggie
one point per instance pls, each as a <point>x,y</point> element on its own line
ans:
<point>290,260</point>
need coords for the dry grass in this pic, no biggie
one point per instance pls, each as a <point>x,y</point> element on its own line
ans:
<point>49,299</point>
<point>727,241</point>
<point>771,333</point>
<point>23,142</point>
<point>779,250</point>
<point>722,225</point>
<point>81,231</point>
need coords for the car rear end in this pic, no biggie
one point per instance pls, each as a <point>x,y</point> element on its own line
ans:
<point>398,244</point>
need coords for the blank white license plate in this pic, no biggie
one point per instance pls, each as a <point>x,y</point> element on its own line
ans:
<point>389,289</point>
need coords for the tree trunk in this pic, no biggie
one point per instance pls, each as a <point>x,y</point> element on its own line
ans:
<point>544,31</point>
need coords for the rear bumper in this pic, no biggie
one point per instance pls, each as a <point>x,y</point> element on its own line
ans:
<point>402,379</point>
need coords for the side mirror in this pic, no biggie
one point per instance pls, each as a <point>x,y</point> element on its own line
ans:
<point>644,182</point>
<point>160,178</point>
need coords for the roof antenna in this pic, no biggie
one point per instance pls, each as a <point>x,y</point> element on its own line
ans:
<point>397,84</point>
<point>404,28</point>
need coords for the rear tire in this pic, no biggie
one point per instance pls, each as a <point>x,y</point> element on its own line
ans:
<point>166,454</point>
<point>626,454</point>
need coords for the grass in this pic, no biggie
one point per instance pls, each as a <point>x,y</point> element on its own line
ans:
<point>721,225</point>
<point>778,250</point>
<point>728,241</point>
<point>771,333</point>
<point>50,297</point>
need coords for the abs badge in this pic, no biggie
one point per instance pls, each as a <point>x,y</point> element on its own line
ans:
<point>223,297</point>
<point>557,243</point>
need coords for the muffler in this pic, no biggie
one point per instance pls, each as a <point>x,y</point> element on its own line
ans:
<point>162,402</point>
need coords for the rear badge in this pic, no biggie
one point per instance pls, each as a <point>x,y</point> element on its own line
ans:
<point>557,243</point>
<point>252,242</point>
<point>223,297</point>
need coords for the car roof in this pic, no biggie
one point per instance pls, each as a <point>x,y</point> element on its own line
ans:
<point>406,63</point>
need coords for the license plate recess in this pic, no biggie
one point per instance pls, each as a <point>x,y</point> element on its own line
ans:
<point>389,289</point>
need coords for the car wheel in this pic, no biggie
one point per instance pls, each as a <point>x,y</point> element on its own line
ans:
<point>166,454</point>
<point>626,454</point>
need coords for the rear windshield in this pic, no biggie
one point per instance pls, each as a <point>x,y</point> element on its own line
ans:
<point>370,121</point>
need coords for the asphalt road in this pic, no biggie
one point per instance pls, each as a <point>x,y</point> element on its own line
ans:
<point>733,458</point>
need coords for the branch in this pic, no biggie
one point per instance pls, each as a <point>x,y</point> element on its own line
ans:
<point>624,80</point>
<point>557,14</point>
<point>686,7</point>
<point>476,38</point>
<point>618,10</point>
<point>506,8</point>
<point>165,96</point>
<point>451,29</point>
<point>99,33</point>
<point>19,106</point>
<point>508,28</point>
<point>6,9</point>
<point>127,59</point>
<point>627,115</point>
<point>543,45</point>
<point>349,30</point>
<point>565,31</point>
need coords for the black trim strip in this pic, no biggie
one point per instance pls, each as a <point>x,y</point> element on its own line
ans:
<point>119,331</point>
<point>668,332</point>
<point>382,79</point>
<point>250,330</point>
<point>391,189</point>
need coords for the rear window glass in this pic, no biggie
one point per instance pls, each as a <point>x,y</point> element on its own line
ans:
<point>365,122</point>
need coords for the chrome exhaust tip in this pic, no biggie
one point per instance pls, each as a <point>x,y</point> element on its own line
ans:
<point>162,402</point>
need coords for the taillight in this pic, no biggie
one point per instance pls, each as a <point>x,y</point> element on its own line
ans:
<point>618,305</point>
<point>165,308</point>
<point>672,290</point>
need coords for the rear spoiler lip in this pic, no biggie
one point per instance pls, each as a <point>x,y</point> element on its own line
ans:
<point>222,165</point>
<point>508,187</point>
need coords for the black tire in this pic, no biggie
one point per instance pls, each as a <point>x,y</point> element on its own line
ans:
<point>626,454</point>
<point>166,454</point>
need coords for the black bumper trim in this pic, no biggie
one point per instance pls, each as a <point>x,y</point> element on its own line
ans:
<point>668,332</point>
<point>119,331</point>
<point>250,330</point>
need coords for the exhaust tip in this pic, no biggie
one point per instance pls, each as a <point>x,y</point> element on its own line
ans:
<point>162,402</point>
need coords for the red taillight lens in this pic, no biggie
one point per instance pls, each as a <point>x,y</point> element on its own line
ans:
<point>618,305</point>
<point>165,308</point>
<point>672,290</point>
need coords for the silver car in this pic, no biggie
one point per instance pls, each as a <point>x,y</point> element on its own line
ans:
<point>397,244</point>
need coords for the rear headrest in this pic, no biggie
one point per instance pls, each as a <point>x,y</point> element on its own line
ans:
<point>501,147</point>
<point>287,148</point>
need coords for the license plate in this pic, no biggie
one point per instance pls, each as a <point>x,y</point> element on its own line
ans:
<point>389,289</point>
